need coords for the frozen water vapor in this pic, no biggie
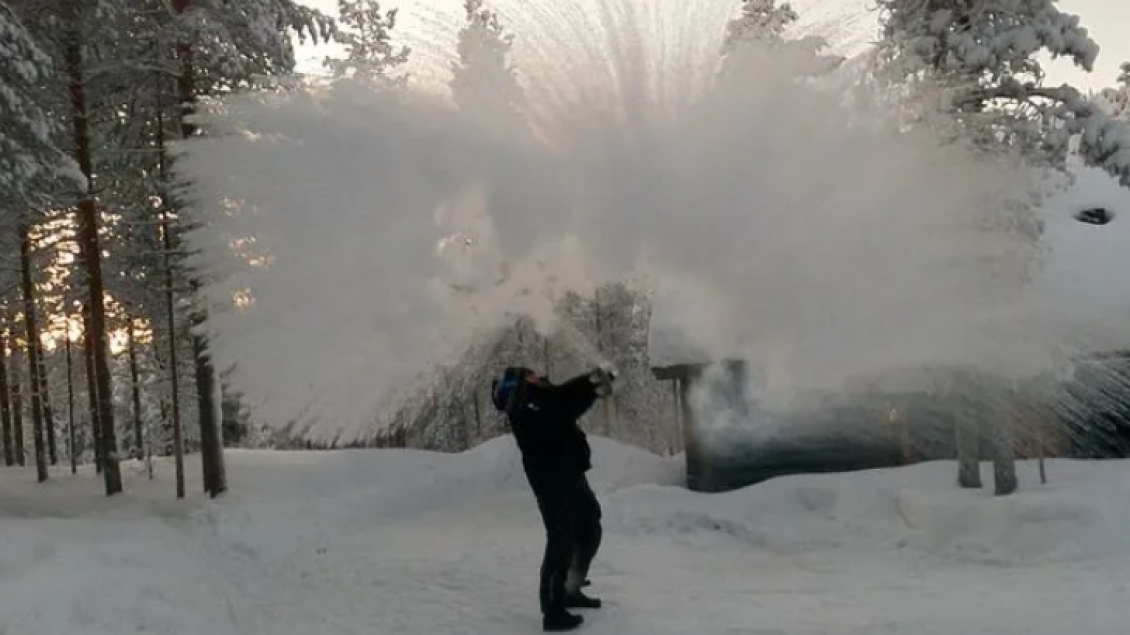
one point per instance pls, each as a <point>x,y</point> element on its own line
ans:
<point>817,238</point>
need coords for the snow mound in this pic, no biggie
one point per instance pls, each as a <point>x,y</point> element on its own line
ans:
<point>395,485</point>
<point>918,511</point>
<point>1077,517</point>
<point>617,465</point>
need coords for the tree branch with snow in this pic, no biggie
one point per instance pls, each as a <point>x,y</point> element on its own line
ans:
<point>981,54</point>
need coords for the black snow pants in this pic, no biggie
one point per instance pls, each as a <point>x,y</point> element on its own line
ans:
<point>571,516</point>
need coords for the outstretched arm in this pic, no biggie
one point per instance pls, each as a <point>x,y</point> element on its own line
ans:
<point>575,396</point>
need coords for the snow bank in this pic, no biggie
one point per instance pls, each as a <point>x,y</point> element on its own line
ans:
<point>376,487</point>
<point>1077,517</point>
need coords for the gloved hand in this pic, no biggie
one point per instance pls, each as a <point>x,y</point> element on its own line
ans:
<point>603,377</point>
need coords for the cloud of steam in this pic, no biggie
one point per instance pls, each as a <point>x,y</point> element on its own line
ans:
<point>809,235</point>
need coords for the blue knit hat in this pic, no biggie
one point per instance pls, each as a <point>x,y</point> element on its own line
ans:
<point>503,387</point>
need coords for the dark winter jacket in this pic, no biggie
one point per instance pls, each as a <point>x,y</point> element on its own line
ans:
<point>543,418</point>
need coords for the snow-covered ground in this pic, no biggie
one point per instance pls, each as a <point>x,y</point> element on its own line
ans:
<point>404,542</point>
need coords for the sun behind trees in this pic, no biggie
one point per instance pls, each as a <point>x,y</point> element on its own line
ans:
<point>96,92</point>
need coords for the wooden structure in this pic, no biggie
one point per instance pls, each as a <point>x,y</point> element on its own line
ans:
<point>683,378</point>
<point>840,437</point>
<point>879,426</point>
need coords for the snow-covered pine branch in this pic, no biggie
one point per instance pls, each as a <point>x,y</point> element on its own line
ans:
<point>29,156</point>
<point>1104,141</point>
<point>240,43</point>
<point>981,56</point>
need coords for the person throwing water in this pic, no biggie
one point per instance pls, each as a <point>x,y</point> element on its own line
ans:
<point>556,457</point>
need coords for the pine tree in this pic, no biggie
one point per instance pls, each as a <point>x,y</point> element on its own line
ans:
<point>483,84</point>
<point>980,56</point>
<point>759,34</point>
<point>367,40</point>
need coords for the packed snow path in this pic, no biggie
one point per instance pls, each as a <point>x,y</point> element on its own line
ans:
<point>399,542</point>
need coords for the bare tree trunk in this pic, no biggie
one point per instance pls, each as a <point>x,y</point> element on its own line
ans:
<point>207,389</point>
<point>149,449</point>
<point>966,430</point>
<point>1041,452</point>
<point>72,438</point>
<point>967,439</point>
<point>6,409</point>
<point>17,411</point>
<point>174,371</point>
<point>675,443</point>
<point>91,255</point>
<point>211,438</point>
<point>31,329</point>
<point>1045,445</point>
<point>165,228</point>
<point>1004,462</point>
<point>478,417</point>
<point>173,409</point>
<point>48,411</point>
<point>1004,452</point>
<point>92,391</point>
<point>135,391</point>
<point>166,420</point>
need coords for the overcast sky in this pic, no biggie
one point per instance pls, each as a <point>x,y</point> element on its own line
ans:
<point>1107,20</point>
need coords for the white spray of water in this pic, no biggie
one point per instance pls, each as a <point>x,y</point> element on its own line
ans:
<point>815,237</point>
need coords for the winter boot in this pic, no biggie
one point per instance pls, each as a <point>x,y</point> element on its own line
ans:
<point>560,621</point>
<point>578,600</point>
